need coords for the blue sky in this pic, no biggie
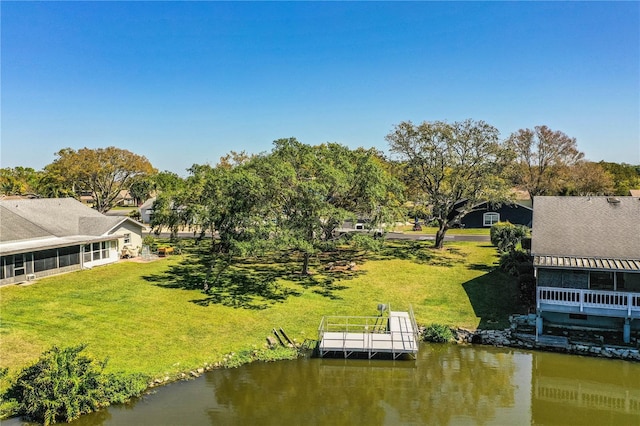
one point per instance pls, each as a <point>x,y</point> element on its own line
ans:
<point>185,83</point>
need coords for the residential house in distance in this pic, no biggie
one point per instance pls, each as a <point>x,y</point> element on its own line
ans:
<point>42,237</point>
<point>586,257</point>
<point>486,214</point>
<point>146,210</point>
<point>123,199</point>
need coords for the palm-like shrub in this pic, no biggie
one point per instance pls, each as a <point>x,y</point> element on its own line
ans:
<point>64,384</point>
<point>506,236</point>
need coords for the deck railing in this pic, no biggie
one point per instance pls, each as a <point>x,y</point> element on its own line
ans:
<point>616,300</point>
<point>395,333</point>
<point>352,324</point>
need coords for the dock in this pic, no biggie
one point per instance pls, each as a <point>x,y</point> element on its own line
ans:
<point>395,334</point>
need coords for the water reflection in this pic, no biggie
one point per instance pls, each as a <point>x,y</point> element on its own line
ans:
<point>447,384</point>
<point>565,392</point>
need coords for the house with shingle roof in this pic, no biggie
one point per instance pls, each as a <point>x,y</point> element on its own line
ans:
<point>487,214</point>
<point>42,237</point>
<point>586,257</point>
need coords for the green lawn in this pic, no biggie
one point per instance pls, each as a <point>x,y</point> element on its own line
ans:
<point>154,318</point>
<point>430,230</point>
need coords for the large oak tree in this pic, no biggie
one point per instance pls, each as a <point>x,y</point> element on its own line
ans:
<point>314,189</point>
<point>451,167</point>
<point>103,172</point>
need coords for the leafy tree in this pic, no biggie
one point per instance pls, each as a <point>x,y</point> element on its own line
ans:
<point>588,178</point>
<point>316,188</point>
<point>103,171</point>
<point>141,190</point>
<point>165,182</point>
<point>18,181</point>
<point>506,236</point>
<point>229,200</point>
<point>625,176</point>
<point>451,167</point>
<point>543,159</point>
<point>54,183</point>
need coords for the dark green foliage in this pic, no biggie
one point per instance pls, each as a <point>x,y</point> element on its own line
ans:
<point>506,236</point>
<point>519,264</point>
<point>527,283</point>
<point>514,261</point>
<point>365,242</point>
<point>438,333</point>
<point>118,388</point>
<point>64,384</point>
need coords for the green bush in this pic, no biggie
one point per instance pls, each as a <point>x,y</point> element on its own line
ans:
<point>438,333</point>
<point>63,384</point>
<point>506,236</point>
<point>515,262</point>
<point>118,388</point>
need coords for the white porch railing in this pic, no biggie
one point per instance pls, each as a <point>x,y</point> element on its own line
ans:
<point>616,300</point>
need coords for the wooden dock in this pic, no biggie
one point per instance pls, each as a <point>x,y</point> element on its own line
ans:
<point>396,334</point>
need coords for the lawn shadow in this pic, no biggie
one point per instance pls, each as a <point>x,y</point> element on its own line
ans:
<point>257,283</point>
<point>421,252</point>
<point>494,296</point>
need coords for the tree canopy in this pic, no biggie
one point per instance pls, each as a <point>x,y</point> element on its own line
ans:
<point>317,188</point>
<point>451,166</point>
<point>103,172</point>
<point>544,159</point>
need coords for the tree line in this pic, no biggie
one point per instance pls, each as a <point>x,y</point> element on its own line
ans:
<point>297,195</point>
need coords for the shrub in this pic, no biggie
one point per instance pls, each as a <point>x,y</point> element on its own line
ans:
<point>438,333</point>
<point>506,236</point>
<point>118,388</point>
<point>63,384</point>
<point>515,261</point>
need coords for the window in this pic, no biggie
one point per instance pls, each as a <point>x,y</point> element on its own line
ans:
<point>45,260</point>
<point>599,280</point>
<point>68,256</point>
<point>489,219</point>
<point>87,253</point>
<point>127,238</point>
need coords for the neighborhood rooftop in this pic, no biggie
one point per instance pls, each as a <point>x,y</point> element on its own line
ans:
<point>30,224</point>
<point>595,232</point>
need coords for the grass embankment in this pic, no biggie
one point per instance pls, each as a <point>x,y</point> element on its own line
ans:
<point>154,318</point>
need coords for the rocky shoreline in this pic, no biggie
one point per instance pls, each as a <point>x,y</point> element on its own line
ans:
<point>517,339</point>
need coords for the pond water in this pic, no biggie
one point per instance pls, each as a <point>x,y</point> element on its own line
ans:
<point>445,385</point>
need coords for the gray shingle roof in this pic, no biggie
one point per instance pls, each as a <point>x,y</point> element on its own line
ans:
<point>586,227</point>
<point>14,227</point>
<point>34,223</point>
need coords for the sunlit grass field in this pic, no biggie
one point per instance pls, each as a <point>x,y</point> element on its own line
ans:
<point>155,318</point>
<point>431,230</point>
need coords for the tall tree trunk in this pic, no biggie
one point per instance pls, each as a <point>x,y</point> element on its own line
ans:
<point>305,264</point>
<point>442,230</point>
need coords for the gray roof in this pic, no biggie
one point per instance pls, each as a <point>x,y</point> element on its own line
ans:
<point>47,222</point>
<point>586,227</point>
<point>14,227</point>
